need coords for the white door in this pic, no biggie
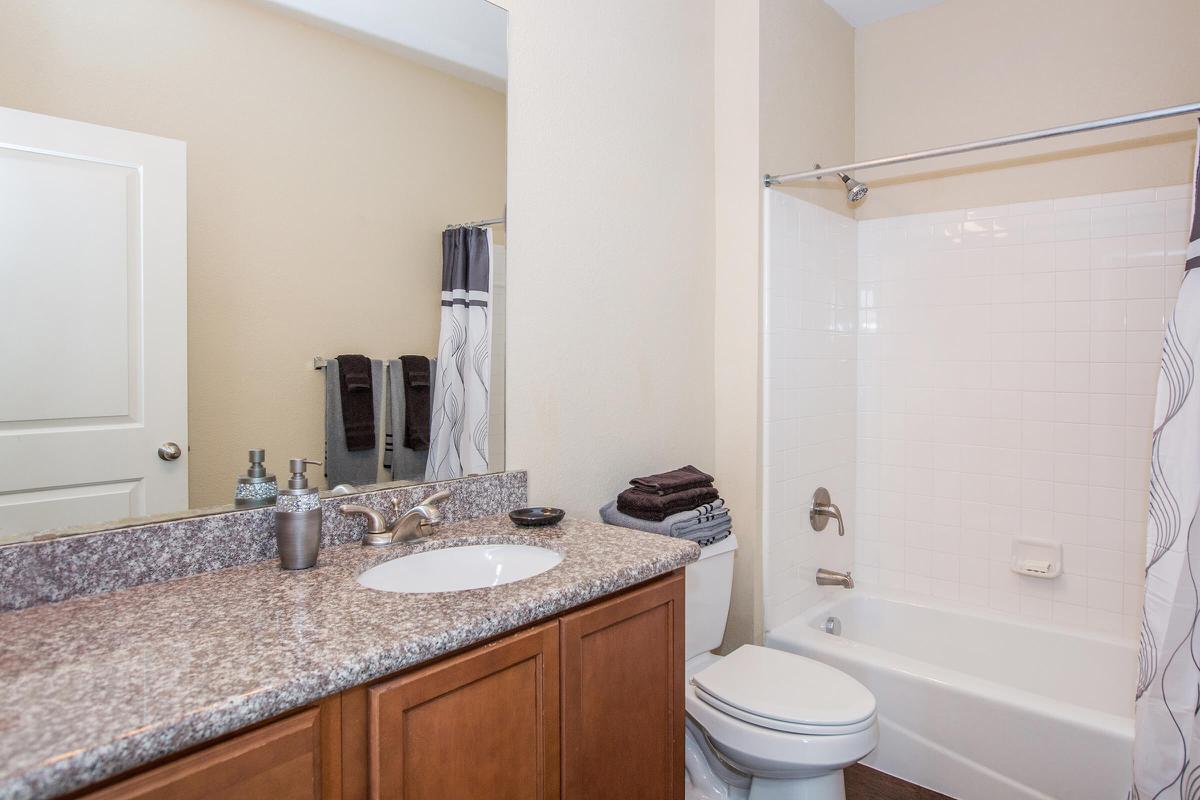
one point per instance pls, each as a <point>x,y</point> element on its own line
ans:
<point>93,323</point>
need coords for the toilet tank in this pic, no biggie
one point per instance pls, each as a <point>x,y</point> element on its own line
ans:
<point>709,584</point>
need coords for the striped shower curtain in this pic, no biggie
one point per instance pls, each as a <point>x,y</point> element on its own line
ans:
<point>458,441</point>
<point>1166,761</point>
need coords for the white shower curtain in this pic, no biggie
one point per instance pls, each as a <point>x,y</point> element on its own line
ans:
<point>458,441</point>
<point>1166,761</point>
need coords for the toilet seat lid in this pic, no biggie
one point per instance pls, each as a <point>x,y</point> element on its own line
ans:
<point>784,687</point>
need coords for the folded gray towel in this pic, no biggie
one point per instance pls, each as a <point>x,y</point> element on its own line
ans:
<point>706,539</point>
<point>708,519</point>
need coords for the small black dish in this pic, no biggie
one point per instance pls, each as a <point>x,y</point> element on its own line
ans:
<point>536,517</point>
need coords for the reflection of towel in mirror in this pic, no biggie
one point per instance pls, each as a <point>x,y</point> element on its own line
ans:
<point>418,383</point>
<point>356,395</point>
<point>404,463</point>
<point>342,465</point>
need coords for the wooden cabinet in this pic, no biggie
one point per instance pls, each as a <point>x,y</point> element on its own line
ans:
<point>589,705</point>
<point>282,759</point>
<point>622,677</point>
<point>482,724</point>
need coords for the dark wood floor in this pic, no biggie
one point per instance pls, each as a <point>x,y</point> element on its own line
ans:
<point>864,783</point>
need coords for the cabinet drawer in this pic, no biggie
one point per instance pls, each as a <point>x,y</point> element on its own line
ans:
<point>279,760</point>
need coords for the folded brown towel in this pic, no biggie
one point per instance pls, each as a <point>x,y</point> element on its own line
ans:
<point>677,480</point>
<point>657,507</point>
<point>358,403</point>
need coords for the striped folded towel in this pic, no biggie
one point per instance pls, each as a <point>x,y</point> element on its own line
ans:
<point>705,520</point>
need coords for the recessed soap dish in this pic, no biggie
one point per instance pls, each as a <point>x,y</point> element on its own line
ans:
<point>1037,558</point>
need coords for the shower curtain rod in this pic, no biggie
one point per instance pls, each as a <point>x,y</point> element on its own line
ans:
<point>983,144</point>
<point>483,223</point>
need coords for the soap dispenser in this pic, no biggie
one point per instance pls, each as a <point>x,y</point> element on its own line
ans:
<point>256,488</point>
<point>298,519</point>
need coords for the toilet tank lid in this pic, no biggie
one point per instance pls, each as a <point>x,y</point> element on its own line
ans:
<point>726,545</point>
<point>786,687</point>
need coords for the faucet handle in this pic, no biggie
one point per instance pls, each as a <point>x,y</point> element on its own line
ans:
<point>375,522</point>
<point>822,509</point>
<point>433,510</point>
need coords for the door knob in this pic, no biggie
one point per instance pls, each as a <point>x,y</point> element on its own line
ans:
<point>169,451</point>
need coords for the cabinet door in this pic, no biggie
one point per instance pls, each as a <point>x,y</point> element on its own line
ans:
<point>279,760</point>
<point>484,724</point>
<point>622,663</point>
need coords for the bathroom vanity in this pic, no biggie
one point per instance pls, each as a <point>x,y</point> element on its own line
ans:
<point>509,715</point>
<point>253,682</point>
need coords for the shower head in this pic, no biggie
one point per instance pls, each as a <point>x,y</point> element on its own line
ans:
<point>855,190</point>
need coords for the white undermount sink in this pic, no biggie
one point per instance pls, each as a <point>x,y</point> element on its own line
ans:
<point>455,569</point>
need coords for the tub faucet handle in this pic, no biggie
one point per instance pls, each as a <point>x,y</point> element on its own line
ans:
<point>822,509</point>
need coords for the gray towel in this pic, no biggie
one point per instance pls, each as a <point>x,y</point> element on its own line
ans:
<point>406,464</point>
<point>707,520</point>
<point>359,467</point>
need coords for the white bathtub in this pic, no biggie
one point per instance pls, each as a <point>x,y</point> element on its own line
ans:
<point>980,706</point>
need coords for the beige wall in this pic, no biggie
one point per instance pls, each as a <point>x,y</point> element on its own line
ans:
<point>736,315</point>
<point>610,244</point>
<point>320,174</point>
<point>806,91</point>
<point>965,70</point>
<point>784,85</point>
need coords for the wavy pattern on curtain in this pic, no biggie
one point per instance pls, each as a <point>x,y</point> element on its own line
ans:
<point>1166,761</point>
<point>458,442</point>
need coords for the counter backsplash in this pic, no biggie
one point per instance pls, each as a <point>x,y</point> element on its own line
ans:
<point>32,573</point>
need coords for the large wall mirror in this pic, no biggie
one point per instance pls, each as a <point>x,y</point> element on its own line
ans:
<point>240,225</point>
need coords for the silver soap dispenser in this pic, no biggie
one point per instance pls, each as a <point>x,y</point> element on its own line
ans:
<point>256,488</point>
<point>298,519</point>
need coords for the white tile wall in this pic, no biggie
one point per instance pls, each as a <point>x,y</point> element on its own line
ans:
<point>1007,361</point>
<point>809,395</point>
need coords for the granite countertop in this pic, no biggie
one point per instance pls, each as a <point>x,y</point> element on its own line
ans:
<point>95,686</point>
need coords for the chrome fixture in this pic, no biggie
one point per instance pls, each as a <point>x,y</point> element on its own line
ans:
<point>983,144</point>
<point>855,190</point>
<point>827,577</point>
<point>169,451</point>
<point>408,526</point>
<point>832,626</point>
<point>821,510</point>
<point>479,223</point>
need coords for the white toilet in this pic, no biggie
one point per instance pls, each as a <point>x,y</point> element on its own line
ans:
<point>763,724</point>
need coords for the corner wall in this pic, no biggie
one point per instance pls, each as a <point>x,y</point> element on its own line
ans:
<point>610,244</point>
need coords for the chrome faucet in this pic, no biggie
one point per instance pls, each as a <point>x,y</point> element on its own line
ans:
<point>827,577</point>
<point>408,527</point>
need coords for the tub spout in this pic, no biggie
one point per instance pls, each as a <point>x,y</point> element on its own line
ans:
<point>827,577</point>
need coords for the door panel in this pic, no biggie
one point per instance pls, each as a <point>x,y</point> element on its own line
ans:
<point>622,673</point>
<point>93,323</point>
<point>483,724</point>
<point>279,760</point>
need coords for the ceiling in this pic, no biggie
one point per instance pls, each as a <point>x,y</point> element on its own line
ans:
<point>863,12</point>
<point>466,38</point>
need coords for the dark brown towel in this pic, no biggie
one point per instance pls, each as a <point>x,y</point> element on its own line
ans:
<point>358,401</point>
<point>677,480</point>
<point>657,507</point>
<point>416,402</point>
